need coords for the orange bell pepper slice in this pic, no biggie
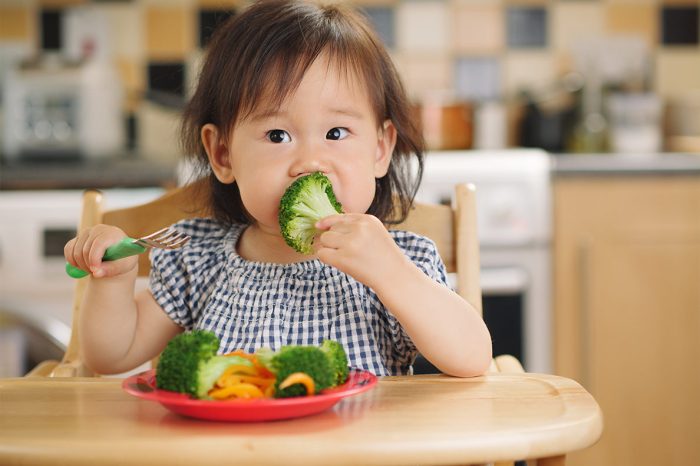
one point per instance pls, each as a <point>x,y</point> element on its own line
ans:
<point>262,370</point>
<point>302,378</point>
<point>239,369</point>
<point>241,390</point>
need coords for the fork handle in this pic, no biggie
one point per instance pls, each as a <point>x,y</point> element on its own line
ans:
<point>124,248</point>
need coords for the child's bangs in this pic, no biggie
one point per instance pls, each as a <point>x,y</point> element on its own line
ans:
<point>276,79</point>
<point>282,73</point>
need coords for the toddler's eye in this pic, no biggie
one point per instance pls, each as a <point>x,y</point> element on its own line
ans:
<point>337,134</point>
<point>278,136</point>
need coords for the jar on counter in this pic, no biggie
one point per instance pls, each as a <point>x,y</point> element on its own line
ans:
<point>447,122</point>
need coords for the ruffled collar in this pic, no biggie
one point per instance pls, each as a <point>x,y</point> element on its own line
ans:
<point>312,269</point>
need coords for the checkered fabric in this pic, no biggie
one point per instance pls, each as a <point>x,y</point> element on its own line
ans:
<point>207,285</point>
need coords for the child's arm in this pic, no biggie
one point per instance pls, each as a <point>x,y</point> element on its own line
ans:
<point>444,327</point>
<point>119,331</point>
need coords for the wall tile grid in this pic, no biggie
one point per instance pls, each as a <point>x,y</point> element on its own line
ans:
<point>475,49</point>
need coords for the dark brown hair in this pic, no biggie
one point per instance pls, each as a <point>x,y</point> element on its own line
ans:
<point>262,55</point>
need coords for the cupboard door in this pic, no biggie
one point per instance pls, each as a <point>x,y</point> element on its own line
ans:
<point>627,257</point>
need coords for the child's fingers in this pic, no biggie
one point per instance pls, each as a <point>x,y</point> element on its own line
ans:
<point>327,222</point>
<point>98,244</point>
<point>114,268</point>
<point>68,252</point>
<point>330,239</point>
<point>79,259</point>
<point>86,250</point>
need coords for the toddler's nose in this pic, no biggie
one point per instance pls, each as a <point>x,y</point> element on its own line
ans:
<point>309,160</point>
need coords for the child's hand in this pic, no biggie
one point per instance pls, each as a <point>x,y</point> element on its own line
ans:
<point>86,250</point>
<point>359,245</point>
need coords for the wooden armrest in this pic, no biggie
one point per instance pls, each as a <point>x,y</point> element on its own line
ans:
<point>43,369</point>
<point>508,364</point>
<point>72,369</point>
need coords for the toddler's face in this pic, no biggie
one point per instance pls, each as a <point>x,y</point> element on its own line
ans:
<point>326,125</point>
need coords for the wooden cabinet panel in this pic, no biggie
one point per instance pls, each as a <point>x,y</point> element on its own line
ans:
<point>627,312</point>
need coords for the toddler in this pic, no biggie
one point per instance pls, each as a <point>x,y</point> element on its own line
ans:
<point>288,88</point>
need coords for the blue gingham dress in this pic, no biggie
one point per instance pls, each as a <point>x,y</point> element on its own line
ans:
<point>207,285</point>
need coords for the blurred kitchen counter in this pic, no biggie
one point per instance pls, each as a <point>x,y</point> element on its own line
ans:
<point>626,164</point>
<point>134,171</point>
<point>129,171</point>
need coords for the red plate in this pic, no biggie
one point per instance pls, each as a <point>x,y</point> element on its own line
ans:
<point>143,385</point>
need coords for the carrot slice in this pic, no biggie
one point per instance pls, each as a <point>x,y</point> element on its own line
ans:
<point>302,378</point>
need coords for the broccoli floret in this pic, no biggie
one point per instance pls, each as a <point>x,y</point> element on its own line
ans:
<point>306,201</point>
<point>338,359</point>
<point>189,363</point>
<point>321,365</point>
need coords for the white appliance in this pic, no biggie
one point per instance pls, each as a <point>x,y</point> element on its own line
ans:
<point>67,103</point>
<point>513,196</point>
<point>35,292</point>
<point>53,108</point>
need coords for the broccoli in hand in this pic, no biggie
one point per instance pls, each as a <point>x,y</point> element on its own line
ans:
<point>189,363</point>
<point>327,366</point>
<point>306,201</point>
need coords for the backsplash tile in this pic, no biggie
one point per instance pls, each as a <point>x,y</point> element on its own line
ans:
<point>478,28</point>
<point>526,26</point>
<point>677,71</point>
<point>425,72</point>
<point>528,70</point>
<point>209,20</point>
<point>572,22</point>
<point>169,32</point>
<point>167,77</point>
<point>383,19</point>
<point>478,78</point>
<point>679,25</point>
<point>15,23</point>
<point>127,29</point>
<point>423,26</point>
<point>50,29</point>
<point>633,19</point>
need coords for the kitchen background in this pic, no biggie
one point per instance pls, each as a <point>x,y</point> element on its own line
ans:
<point>584,76</point>
<point>578,120</point>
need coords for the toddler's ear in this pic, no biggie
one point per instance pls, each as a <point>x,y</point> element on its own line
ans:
<point>385,148</point>
<point>218,153</point>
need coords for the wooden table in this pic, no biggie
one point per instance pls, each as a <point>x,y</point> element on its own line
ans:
<point>403,420</point>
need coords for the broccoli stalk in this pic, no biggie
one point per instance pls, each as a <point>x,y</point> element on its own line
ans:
<point>189,363</point>
<point>338,359</point>
<point>306,201</point>
<point>327,366</point>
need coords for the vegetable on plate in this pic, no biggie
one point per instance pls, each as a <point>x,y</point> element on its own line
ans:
<point>189,364</point>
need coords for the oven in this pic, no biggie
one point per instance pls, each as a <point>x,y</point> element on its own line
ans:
<point>35,292</point>
<point>513,195</point>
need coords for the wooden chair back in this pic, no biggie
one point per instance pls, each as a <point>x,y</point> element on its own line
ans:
<point>454,231</point>
<point>453,228</point>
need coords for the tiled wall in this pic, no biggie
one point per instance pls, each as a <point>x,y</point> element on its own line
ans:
<point>479,49</point>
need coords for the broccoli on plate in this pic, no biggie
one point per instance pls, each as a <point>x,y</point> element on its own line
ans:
<point>189,363</point>
<point>326,365</point>
<point>306,201</point>
<point>338,359</point>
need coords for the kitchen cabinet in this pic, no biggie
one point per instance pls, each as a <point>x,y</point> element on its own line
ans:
<point>627,311</point>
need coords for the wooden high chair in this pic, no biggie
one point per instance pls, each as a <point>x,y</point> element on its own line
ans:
<point>452,228</point>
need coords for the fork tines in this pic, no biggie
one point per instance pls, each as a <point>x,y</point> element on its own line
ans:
<point>167,238</point>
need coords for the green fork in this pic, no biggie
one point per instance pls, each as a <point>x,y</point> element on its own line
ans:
<point>167,238</point>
